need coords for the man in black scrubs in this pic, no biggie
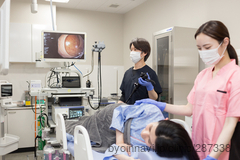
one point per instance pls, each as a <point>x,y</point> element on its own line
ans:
<point>140,51</point>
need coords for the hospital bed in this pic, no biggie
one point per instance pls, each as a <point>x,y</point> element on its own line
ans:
<point>81,148</point>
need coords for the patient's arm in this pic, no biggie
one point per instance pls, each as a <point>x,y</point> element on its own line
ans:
<point>124,157</point>
<point>119,137</point>
<point>120,142</point>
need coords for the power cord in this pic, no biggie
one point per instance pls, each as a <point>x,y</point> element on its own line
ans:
<point>35,152</point>
<point>91,105</point>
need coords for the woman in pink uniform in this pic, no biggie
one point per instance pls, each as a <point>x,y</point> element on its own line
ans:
<point>214,101</point>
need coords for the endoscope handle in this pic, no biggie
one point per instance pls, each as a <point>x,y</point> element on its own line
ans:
<point>144,76</point>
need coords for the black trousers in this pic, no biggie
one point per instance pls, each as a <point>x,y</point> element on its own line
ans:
<point>235,144</point>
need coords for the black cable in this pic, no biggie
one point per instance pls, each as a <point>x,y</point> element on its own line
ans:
<point>57,78</point>
<point>52,85</point>
<point>40,119</point>
<point>134,90</point>
<point>99,84</point>
<point>33,106</point>
<point>72,64</point>
<point>91,105</point>
<point>28,86</point>
<point>54,75</point>
<point>99,78</point>
<point>35,153</point>
<point>46,117</point>
<point>33,109</point>
<point>50,77</point>
<point>40,116</point>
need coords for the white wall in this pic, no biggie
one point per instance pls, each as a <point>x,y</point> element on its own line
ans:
<point>19,73</point>
<point>106,27</point>
<point>117,30</point>
<point>111,78</point>
<point>155,15</point>
<point>21,13</point>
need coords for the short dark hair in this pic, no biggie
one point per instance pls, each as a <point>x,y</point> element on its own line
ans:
<point>142,45</point>
<point>173,141</point>
<point>218,31</point>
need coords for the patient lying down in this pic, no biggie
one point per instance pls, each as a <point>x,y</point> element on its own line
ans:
<point>148,131</point>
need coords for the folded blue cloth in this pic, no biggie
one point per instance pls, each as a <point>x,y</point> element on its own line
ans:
<point>116,150</point>
<point>70,137</point>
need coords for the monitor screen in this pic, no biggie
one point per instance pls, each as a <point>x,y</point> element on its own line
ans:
<point>6,90</point>
<point>64,46</point>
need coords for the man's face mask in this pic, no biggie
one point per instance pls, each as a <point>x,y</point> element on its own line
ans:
<point>135,56</point>
<point>211,57</point>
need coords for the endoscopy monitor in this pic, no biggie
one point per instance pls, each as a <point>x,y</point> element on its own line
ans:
<point>64,46</point>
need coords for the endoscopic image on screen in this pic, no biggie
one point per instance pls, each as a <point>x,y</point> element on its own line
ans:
<point>63,45</point>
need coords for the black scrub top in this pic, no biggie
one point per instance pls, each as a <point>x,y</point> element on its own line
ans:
<point>131,77</point>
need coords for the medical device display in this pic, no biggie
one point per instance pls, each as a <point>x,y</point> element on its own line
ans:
<point>75,112</point>
<point>4,37</point>
<point>5,89</point>
<point>64,46</point>
<point>71,82</point>
<point>69,112</point>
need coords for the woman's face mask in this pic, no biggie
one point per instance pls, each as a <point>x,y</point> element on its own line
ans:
<point>211,57</point>
<point>135,56</point>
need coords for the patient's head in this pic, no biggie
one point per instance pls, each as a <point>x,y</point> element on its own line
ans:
<point>148,134</point>
<point>169,139</point>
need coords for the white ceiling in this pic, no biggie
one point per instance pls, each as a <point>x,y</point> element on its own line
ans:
<point>99,5</point>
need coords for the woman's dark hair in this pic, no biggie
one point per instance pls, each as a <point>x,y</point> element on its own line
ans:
<point>173,141</point>
<point>142,45</point>
<point>217,30</point>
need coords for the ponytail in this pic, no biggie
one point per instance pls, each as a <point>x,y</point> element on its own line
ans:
<point>232,53</point>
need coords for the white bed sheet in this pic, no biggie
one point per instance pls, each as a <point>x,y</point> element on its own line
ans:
<point>61,137</point>
<point>142,155</point>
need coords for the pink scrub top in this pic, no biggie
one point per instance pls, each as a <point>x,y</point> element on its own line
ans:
<point>213,100</point>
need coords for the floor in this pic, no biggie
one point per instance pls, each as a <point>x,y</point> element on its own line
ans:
<point>22,156</point>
